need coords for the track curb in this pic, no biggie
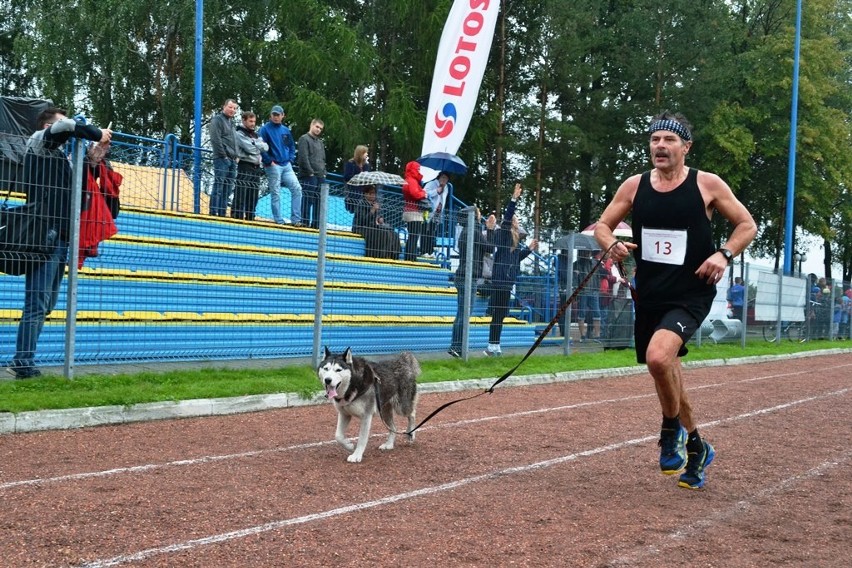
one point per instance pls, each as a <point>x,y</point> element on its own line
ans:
<point>72,418</point>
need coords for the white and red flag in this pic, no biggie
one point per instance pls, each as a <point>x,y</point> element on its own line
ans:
<point>459,67</point>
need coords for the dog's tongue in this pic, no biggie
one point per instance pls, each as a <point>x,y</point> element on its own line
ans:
<point>330,392</point>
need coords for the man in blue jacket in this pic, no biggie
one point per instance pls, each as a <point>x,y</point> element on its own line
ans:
<point>48,180</point>
<point>278,163</point>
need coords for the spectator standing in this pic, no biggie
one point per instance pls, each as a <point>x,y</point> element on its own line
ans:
<point>359,162</point>
<point>48,180</point>
<point>101,202</point>
<point>508,255</point>
<point>846,317</point>
<point>563,261</point>
<point>736,296</point>
<point>605,295</point>
<point>822,310</point>
<point>412,215</point>
<point>437,191</point>
<point>836,318</point>
<point>678,267</point>
<point>223,139</point>
<point>311,158</point>
<point>483,243</point>
<point>249,149</point>
<point>588,302</point>
<point>278,164</point>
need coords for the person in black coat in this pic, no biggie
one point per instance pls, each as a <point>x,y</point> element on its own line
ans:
<point>482,245</point>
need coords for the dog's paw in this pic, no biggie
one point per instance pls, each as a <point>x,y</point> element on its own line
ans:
<point>354,458</point>
<point>386,446</point>
<point>348,445</point>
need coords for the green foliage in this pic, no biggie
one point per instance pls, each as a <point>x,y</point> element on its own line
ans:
<point>564,101</point>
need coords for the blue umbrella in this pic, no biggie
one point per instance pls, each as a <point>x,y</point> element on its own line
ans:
<point>443,162</point>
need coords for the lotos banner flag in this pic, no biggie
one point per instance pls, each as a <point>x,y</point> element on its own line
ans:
<point>461,61</point>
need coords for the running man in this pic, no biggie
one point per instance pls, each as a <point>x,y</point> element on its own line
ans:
<point>677,268</point>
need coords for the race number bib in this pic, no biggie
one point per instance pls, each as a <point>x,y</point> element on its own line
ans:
<point>666,246</point>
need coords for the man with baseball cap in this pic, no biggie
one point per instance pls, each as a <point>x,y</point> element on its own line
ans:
<point>677,268</point>
<point>278,164</point>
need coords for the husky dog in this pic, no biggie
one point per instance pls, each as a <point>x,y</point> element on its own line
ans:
<point>357,387</point>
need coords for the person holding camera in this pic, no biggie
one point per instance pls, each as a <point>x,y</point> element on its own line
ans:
<point>48,180</point>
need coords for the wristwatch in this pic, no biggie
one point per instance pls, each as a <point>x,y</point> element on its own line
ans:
<point>729,256</point>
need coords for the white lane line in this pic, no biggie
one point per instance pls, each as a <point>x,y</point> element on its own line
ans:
<point>425,491</point>
<point>460,423</point>
<point>645,553</point>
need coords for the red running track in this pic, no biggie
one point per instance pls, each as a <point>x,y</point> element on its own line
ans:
<point>556,475</point>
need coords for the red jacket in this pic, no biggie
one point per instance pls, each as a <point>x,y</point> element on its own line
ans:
<point>96,221</point>
<point>412,191</point>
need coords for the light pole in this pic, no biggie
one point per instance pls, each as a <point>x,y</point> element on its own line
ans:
<point>791,161</point>
<point>196,154</point>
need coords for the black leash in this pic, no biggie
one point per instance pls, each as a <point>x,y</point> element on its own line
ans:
<point>537,342</point>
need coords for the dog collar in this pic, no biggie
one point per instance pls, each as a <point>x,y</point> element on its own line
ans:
<point>346,398</point>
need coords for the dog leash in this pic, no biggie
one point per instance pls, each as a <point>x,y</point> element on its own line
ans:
<point>571,299</point>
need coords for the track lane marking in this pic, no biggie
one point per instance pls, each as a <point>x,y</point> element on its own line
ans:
<point>241,455</point>
<point>646,552</point>
<point>427,491</point>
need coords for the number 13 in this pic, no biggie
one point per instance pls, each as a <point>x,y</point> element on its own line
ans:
<point>664,248</point>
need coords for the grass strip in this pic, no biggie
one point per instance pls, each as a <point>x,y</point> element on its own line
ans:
<point>55,392</point>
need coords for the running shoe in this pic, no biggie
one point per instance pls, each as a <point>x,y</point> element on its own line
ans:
<point>693,477</point>
<point>489,353</point>
<point>454,353</point>
<point>673,456</point>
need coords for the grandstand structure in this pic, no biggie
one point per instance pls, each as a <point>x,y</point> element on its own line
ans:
<point>176,284</point>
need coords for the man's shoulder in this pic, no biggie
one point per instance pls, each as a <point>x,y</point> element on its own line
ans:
<point>709,180</point>
<point>631,184</point>
<point>220,120</point>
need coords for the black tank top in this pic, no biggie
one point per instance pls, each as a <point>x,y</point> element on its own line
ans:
<point>659,284</point>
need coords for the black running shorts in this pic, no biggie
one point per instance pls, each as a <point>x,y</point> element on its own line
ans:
<point>678,320</point>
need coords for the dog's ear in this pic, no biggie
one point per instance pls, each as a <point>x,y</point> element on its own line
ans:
<point>327,352</point>
<point>347,355</point>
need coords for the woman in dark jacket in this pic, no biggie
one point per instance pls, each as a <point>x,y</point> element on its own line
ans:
<point>482,244</point>
<point>359,162</point>
<point>507,264</point>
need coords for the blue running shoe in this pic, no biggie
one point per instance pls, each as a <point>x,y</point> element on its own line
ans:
<point>673,456</point>
<point>693,477</point>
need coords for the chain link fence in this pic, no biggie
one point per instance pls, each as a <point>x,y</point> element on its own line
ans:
<point>163,280</point>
